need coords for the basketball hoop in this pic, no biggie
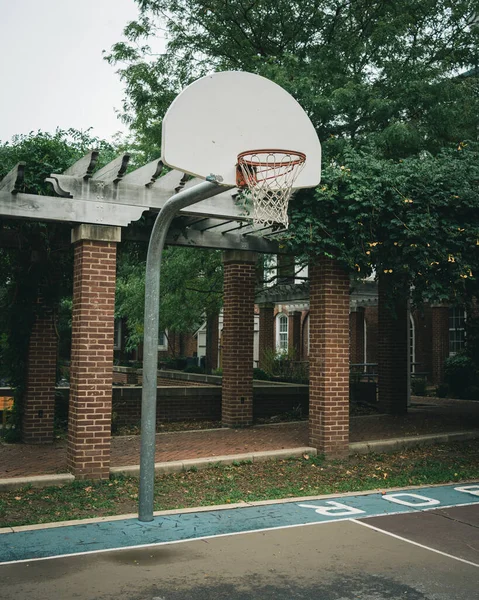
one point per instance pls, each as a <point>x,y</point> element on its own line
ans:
<point>269,175</point>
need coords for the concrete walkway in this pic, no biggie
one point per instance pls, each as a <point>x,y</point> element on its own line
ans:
<point>427,416</point>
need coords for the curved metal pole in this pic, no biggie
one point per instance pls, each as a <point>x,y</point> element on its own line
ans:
<point>151,334</point>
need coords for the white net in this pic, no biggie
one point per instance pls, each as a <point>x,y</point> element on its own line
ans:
<point>269,175</point>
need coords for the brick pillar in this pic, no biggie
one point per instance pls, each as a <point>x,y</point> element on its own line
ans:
<point>392,349</point>
<point>356,336</point>
<point>266,332</point>
<point>294,334</point>
<point>89,423</point>
<point>440,341</point>
<point>329,358</point>
<point>39,401</point>
<point>212,341</point>
<point>238,332</point>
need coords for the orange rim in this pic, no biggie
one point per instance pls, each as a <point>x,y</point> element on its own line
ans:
<point>301,157</point>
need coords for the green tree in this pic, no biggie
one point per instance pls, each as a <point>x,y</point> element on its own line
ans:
<point>359,68</point>
<point>191,289</point>
<point>415,220</point>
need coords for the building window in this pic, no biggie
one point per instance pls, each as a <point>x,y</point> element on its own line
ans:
<point>282,333</point>
<point>412,344</point>
<point>457,333</point>
<point>163,340</point>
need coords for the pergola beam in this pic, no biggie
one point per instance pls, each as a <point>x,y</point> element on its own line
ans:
<point>223,241</point>
<point>48,208</point>
<point>145,175</point>
<point>84,167</point>
<point>13,181</point>
<point>113,171</point>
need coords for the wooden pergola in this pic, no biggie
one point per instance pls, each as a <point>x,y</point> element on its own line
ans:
<point>111,196</point>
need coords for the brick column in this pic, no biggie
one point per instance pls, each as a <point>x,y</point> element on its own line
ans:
<point>356,336</point>
<point>89,423</point>
<point>39,401</point>
<point>392,349</point>
<point>294,334</point>
<point>440,341</point>
<point>329,358</point>
<point>212,341</point>
<point>238,332</point>
<point>266,332</point>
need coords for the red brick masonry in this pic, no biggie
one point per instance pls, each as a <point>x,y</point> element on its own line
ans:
<point>329,358</point>
<point>91,360</point>
<point>41,377</point>
<point>238,331</point>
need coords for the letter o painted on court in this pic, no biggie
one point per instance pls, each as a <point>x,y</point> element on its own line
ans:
<point>468,489</point>
<point>397,498</point>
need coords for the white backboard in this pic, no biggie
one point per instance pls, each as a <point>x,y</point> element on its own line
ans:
<point>218,116</point>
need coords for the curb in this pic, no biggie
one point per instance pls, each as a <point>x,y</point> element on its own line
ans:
<point>176,466</point>
<point>394,444</point>
<point>36,481</point>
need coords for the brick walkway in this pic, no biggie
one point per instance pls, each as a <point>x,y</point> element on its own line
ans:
<point>427,416</point>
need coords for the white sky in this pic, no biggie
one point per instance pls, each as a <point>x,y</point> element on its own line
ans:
<point>52,72</point>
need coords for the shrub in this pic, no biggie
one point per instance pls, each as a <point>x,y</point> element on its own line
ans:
<point>472,392</point>
<point>194,369</point>
<point>442,391</point>
<point>260,374</point>
<point>418,386</point>
<point>284,367</point>
<point>460,374</point>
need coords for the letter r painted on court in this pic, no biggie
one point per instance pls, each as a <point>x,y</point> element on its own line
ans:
<point>334,509</point>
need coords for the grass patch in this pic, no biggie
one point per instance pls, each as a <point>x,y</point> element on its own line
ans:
<point>242,482</point>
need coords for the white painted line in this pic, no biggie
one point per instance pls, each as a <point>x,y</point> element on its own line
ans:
<point>398,537</point>
<point>154,544</point>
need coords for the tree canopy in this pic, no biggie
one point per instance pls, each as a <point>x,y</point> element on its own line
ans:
<point>191,289</point>
<point>358,67</point>
<point>392,89</point>
<point>415,220</point>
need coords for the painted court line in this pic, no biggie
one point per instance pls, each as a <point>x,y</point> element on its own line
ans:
<point>398,537</point>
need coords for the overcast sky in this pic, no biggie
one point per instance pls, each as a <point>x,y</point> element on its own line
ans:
<point>52,72</point>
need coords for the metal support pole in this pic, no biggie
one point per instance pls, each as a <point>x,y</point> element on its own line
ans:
<point>151,334</point>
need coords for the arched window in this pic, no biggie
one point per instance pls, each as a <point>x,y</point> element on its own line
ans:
<point>281,333</point>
